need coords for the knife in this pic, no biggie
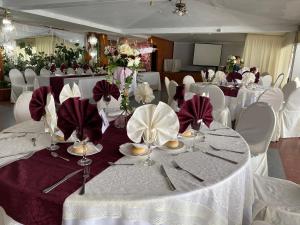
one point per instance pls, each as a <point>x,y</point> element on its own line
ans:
<point>163,172</point>
<point>219,157</point>
<point>48,189</point>
<point>224,135</point>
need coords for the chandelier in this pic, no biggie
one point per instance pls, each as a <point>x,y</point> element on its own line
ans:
<point>7,22</point>
<point>180,8</point>
<point>92,40</point>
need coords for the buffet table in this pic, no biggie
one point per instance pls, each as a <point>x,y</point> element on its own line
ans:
<point>125,195</point>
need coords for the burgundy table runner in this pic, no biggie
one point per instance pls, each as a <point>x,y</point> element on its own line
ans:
<point>230,91</point>
<point>57,83</point>
<point>22,182</point>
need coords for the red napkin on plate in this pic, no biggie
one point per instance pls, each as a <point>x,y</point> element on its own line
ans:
<point>234,76</point>
<point>193,110</point>
<point>105,89</point>
<point>38,102</point>
<point>79,115</point>
<point>179,95</point>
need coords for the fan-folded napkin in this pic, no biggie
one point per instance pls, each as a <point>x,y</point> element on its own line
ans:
<point>68,92</point>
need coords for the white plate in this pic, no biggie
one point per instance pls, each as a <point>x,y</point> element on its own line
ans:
<point>91,149</point>
<point>125,149</point>
<point>179,149</point>
<point>188,137</point>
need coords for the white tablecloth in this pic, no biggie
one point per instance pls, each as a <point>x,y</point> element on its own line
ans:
<point>153,78</point>
<point>139,195</point>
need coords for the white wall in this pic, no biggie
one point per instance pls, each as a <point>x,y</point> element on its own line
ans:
<point>296,66</point>
<point>185,52</point>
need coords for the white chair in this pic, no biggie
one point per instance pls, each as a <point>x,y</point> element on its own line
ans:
<point>203,75</point>
<point>279,80</point>
<point>277,201</point>
<point>30,75</point>
<point>187,81</point>
<point>167,82</point>
<point>59,72</point>
<point>264,74</point>
<point>44,72</point>
<point>274,97</point>
<point>221,112</point>
<point>18,85</point>
<point>21,108</point>
<point>248,78</point>
<point>256,125</point>
<point>288,88</point>
<point>260,222</point>
<point>79,71</point>
<point>172,91</point>
<point>265,81</point>
<point>211,74</point>
<point>243,70</point>
<point>290,116</point>
<point>89,72</point>
<point>70,71</point>
<point>297,80</point>
<point>220,78</point>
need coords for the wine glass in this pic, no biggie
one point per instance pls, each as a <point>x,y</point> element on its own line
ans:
<point>149,141</point>
<point>53,146</point>
<point>196,126</point>
<point>84,161</point>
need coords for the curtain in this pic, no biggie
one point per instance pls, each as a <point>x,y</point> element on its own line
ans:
<point>262,51</point>
<point>47,44</point>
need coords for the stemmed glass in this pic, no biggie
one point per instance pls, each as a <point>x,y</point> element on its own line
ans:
<point>53,146</point>
<point>196,127</point>
<point>84,161</point>
<point>149,141</point>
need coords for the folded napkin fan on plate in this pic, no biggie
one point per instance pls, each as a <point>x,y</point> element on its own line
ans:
<point>68,92</point>
<point>79,115</point>
<point>38,102</point>
<point>192,111</point>
<point>105,89</point>
<point>154,123</point>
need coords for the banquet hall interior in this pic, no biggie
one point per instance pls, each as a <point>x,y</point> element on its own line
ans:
<point>150,112</point>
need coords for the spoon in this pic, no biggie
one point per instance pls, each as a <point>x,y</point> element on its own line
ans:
<point>55,155</point>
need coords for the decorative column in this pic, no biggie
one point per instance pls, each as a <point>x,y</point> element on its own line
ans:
<point>103,42</point>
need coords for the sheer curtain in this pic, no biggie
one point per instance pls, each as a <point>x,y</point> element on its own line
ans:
<point>47,44</point>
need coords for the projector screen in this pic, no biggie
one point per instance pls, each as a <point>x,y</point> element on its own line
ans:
<point>207,54</point>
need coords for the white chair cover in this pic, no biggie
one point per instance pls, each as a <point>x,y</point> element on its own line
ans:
<point>21,108</point>
<point>256,125</point>
<point>264,74</point>
<point>220,78</point>
<point>221,112</point>
<point>30,76</point>
<point>18,85</point>
<point>243,70</point>
<point>297,80</point>
<point>265,81</point>
<point>259,222</point>
<point>248,78</point>
<point>276,201</point>
<point>203,75</point>
<point>172,91</point>
<point>211,74</point>
<point>279,80</point>
<point>290,116</point>
<point>89,72</point>
<point>79,71</point>
<point>288,88</point>
<point>167,82</point>
<point>187,81</point>
<point>44,72</point>
<point>59,72</point>
<point>70,71</point>
<point>274,97</point>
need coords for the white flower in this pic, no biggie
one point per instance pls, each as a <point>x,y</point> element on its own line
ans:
<point>136,52</point>
<point>125,49</point>
<point>233,57</point>
<point>137,61</point>
<point>234,61</point>
<point>130,62</point>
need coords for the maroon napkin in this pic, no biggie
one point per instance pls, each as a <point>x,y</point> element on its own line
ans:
<point>197,108</point>
<point>63,67</point>
<point>179,95</point>
<point>52,68</point>
<point>38,102</point>
<point>80,116</point>
<point>234,76</point>
<point>105,89</point>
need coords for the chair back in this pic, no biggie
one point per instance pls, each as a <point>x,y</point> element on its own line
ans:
<point>256,125</point>
<point>216,96</point>
<point>172,91</point>
<point>167,82</point>
<point>266,80</point>
<point>279,80</point>
<point>21,108</point>
<point>89,71</point>
<point>79,71</point>
<point>248,78</point>
<point>293,101</point>
<point>16,77</point>
<point>274,97</point>
<point>203,75</point>
<point>70,71</point>
<point>211,73</point>
<point>30,75</point>
<point>44,72</point>
<point>288,88</point>
<point>264,74</point>
<point>297,80</point>
<point>187,81</point>
<point>59,72</point>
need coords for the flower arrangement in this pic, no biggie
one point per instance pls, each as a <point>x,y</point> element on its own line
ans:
<point>234,63</point>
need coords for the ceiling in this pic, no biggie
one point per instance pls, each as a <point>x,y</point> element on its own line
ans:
<point>227,20</point>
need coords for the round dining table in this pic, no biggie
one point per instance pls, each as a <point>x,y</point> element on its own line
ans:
<point>211,174</point>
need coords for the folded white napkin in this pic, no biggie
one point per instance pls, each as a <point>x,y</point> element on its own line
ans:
<point>51,116</point>
<point>211,74</point>
<point>144,93</point>
<point>156,124</point>
<point>248,78</point>
<point>220,77</point>
<point>68,92</point>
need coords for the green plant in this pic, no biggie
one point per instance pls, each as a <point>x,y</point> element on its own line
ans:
<point>4,84</point>
<point>68,56</point>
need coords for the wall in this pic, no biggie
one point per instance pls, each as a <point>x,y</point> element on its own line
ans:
<point>296,66</point>
<point>185,52</point>
<point>164,51</point>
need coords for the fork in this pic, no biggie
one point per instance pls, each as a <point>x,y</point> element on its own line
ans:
<point>227,150</point>
<point>176,166</point>
<point>86,175</point>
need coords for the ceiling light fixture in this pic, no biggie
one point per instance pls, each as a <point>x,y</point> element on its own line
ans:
<point>92,40</point>
<point>180,8</point>
<point>7,22</point>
